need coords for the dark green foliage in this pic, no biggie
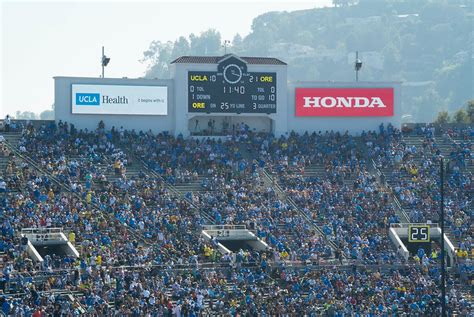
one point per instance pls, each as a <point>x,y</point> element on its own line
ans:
<point>425,44</point>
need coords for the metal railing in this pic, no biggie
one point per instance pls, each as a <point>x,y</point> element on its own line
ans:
<point>65,187</point>
<point>407,224</point>
<point>169,186</point>
<point>394,197</point>
<point>43,234</point>
<point>224,227</point>
<point>301,212</point>
<point>41,230</point>
<point>321,263</point>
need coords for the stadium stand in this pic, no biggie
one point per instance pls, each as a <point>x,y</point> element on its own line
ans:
<point>134,203</point>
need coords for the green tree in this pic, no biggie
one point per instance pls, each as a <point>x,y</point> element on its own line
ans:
<point>26,115</point>
<point>158,56</point>
<point>343,3</point>
<point>443,117</point>
<point>470,110</point>
<point>423,43</point>
<point>237,41</point>
<point>460,116</point>
<point>237,45</point>
<point>208,43</point>
<point>47,115</point>
<point>180,47</point>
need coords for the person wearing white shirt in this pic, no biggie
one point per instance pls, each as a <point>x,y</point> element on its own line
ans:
<point>177,310</point>
<point>199,301</point>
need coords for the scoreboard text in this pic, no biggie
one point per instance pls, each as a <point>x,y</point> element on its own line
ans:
<point>232,91</point>
<point>419,233</point>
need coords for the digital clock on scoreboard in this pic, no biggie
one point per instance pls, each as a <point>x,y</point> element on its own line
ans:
<point>231,89</point>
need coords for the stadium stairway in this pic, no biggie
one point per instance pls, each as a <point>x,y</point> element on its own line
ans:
<point>402,207</point>
<point>381,176</point>
<point>12,138</point>
<point>4,162</point>
<point>387,184</point>
<point>131,170</point>
<point>416,141</point>
<point>78,158</point>
<point>174,190</point>
<point>445,145</point>
<point>65,187</point>
<point>269,179</point>
<point>458,140</point>
<point>194,186</point>
<point>318,170</point>
<point>314,170</point>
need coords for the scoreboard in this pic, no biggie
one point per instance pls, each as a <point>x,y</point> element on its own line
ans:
<point>232,89</point>
<point>418,233</point>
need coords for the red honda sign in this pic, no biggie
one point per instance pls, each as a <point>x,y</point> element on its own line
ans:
<point>350,102</point>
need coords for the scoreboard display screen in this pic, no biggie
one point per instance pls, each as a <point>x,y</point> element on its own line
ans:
<point>419,233</point>
<point>232,90</point>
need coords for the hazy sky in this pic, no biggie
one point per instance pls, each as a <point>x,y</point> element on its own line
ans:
<point>40,39</point>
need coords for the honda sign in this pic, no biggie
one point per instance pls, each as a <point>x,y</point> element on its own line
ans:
<point>350,102</point>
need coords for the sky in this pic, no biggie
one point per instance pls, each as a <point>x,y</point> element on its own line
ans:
<point>40,40</point>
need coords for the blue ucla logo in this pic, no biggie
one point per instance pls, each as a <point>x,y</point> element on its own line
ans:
<point>85,99</point>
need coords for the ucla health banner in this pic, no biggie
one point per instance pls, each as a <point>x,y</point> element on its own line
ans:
<point>344,102</point>
<point>119,99</point>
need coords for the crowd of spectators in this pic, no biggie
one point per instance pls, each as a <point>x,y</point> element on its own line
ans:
<point>119,219</point>
<point>414,176</point>
<point>241,291</point>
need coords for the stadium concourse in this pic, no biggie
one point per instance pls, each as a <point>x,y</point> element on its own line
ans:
<point>134,205</point>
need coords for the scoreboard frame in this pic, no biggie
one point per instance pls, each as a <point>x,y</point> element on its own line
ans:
<point>420,230</point>
<point>232,89</point>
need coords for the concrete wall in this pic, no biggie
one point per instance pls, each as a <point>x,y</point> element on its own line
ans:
<point>355,125</point>
<point>180,74</point>
<point>62,109</point>
<point>256,124</point>
<point>177,120</point>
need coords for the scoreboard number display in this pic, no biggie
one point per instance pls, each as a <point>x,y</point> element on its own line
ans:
<point>232,89</point>
<point>419,233</point>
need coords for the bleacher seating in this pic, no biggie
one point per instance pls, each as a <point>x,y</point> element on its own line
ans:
<point>136,203</point>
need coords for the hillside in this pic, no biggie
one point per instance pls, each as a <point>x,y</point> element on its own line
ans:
<point>426,44</point>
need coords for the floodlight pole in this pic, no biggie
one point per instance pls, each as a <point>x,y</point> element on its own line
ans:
<point>443,267</point>
<point>102,61</point>
<point>357,70</point>
<point>225,46</point>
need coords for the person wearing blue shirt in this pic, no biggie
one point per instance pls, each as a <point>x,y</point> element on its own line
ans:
<point>421,253</point>
<point>6,307</point>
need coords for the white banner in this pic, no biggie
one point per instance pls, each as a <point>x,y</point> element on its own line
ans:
<point>119,99</point>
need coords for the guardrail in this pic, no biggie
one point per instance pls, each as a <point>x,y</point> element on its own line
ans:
<point>319,264</point>
<point>407,224</point>
<point>41,230</point>
<point>31,162</point>
<point>42,234</point>
<point>169,186</point>
<point>301,212</point>
<point>224,227</point>
<point>275,184</point>
<point>383,181</point>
